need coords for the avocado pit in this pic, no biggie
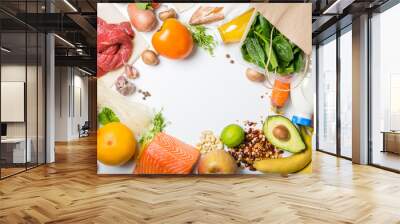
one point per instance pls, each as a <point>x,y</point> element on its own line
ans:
<point>281,132</point>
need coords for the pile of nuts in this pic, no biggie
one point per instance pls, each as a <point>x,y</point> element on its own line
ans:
<point>255,147</point>
<point>209,142</point>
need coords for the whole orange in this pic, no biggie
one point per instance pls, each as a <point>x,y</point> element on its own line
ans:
<point>173,40</point>
<point>116,144</point>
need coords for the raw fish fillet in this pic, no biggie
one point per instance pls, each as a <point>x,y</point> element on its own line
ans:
<point>167,155</point>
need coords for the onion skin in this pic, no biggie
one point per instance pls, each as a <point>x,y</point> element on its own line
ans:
<point>149,57</point>
<point>254,76</point>
<point>142,20</point>
<point>170,13</point>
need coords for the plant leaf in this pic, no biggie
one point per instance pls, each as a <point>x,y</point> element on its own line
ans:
<point>107,116</point>
<point>245,54</point>
<point>265,27</point>
<point>298,62</point>
<point>256,52</point>
<point>143,5</point>
<point>203,39</point>
<point>273,62</point>
<point>286,70</point>
<point>158,125</point>
<point>282,48</point>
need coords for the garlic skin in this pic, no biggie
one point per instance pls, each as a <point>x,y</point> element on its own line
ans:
<point>131,72</point>
<point>124,87</point>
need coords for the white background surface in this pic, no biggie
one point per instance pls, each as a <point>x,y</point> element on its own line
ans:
<point>201,92</point>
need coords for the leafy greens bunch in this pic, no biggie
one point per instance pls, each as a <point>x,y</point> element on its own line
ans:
<point>284,56</point>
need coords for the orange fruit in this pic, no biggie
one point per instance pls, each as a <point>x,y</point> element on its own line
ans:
<point>173,40</point>
<point>116,144</point>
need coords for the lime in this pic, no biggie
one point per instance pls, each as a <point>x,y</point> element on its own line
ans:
<point>232,135</point>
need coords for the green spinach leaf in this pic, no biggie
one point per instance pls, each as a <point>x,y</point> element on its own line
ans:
<point>265,27</point>
<point>282,48</point>
<point>272,57</point>
<point>296,50</point>
<point>298,62</point>
<point>255,51</point>
<point>245,54</point>
<point>286,70</point>
<point>284,58</point>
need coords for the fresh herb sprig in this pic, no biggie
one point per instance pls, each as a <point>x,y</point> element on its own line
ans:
<point>203,39</point>
<point>158,125</point>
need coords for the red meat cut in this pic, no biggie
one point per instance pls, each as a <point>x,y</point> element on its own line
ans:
<point>114,45</point>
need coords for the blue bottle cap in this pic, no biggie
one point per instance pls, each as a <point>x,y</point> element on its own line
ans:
<point>301,120</point>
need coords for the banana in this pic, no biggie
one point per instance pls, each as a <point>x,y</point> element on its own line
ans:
<point>306,170</point>
<point>291,164</point>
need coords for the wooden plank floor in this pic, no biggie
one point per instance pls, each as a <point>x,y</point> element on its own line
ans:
<point>69,191</point>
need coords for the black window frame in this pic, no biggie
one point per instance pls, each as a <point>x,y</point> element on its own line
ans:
<point>30,29</point>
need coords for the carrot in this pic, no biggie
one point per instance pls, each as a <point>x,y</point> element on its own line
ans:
<point>280,94</point>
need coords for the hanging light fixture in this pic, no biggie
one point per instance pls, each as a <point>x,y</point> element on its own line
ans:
<point>70,5</point>
<point>5,50</point>
<point>64,40</point>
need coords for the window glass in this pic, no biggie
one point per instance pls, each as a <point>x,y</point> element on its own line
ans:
<point>385,89</point>
<point>327,96</point>
<point>23,89</point>
<point>346,94</point>
<point>31,97</point>
<point>15,150</point>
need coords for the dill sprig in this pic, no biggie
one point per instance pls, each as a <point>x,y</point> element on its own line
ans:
<point>202,39</point>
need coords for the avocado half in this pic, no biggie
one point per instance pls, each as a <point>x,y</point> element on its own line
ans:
<point>283,134</point>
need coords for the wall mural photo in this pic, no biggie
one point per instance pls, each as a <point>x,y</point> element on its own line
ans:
<point>204,88</point>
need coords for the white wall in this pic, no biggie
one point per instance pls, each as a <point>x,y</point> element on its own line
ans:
<point>61,103</point>
<point>80,110</point>
<point>16,73</point>
<point>71,94</point>
<point>34,125</point>
<point>12,73</point>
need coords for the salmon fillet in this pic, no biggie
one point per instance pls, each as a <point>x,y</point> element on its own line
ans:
<point>167,155</point>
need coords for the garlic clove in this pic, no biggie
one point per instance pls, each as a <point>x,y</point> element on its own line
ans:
<point>124,87</point>
<point>131,72</point>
